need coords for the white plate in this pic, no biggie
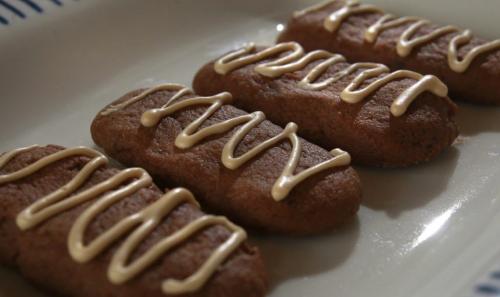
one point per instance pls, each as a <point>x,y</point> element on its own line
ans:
<point>425,231</point>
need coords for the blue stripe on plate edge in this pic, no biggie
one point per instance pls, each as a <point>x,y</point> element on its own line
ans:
<point>19,8</point>
<point>489,287</point>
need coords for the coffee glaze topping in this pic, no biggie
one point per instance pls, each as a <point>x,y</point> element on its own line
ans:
<point>134,228</point>
<point>405,43</point>
<point>192,134</point>
<point>295,60</point>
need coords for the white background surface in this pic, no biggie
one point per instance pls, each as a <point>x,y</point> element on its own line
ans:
<point>424,231</point>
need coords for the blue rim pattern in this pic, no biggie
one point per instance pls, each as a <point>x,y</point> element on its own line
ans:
<point>12,9</point>
<point>490,286</point>
<point>33,5</point>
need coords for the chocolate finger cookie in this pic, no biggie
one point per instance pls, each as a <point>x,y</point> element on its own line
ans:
<point>237,164</point>
<point>382,118</point>
<point>469,65</point>
<point>78,227</point>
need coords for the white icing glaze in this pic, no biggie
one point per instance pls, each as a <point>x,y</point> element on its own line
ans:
<point>330,59</point>
<point>294,60</point>
<point>405,44</point>
<point>134,228</point>
<point>192,134</point>
<point>334,20</point>
<point>386,22</point>
<point>171,87</point>
<point>463,38</point>
<point>275,68</point>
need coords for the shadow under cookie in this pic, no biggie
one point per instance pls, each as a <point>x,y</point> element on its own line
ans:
<point>473,119</point>
<point>394,191</point>
<point>13,285</point>
<point>289,258</point>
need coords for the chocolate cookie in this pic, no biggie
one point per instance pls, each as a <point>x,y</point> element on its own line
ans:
<point>73,224</point>
<point>469,65</point>
<point>237,164</point>
<point>382,118</point>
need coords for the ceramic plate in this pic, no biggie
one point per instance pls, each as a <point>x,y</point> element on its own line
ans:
<point>432,230</point>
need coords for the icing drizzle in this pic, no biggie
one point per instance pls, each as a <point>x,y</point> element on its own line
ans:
<point>192,134</point>
<point>295,60</point>
<point>405,44</point>
<point>136,227</point>
<point>463,38</point>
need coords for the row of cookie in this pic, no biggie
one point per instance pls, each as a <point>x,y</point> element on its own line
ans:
<point>396,119</point>
<point>180,138</point>
<point>238,164</point>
